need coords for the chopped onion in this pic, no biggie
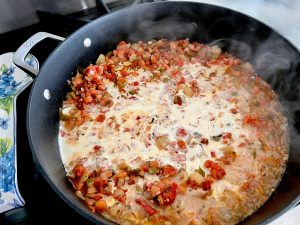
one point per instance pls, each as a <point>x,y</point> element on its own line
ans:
<point>101,59</point>
<point>216,51</point>
<point>162,141</point>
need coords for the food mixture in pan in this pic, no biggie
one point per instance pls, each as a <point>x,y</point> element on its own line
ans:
<point>172,132</point>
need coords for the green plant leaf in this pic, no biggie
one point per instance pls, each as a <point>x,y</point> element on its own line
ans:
<point>3,68</point>
<point>7,104</point>
<point>5,145</point>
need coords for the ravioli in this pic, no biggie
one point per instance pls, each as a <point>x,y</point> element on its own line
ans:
<point>172,132</point>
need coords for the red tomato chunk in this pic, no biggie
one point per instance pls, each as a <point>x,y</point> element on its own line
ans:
<point>149,209</point>
<point>216,171</point>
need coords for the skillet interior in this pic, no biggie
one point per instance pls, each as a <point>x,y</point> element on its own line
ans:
<point>272,56</point>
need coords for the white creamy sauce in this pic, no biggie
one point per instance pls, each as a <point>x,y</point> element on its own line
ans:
<point>195,115</point>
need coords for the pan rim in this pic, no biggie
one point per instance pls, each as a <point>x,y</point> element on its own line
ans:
<point>95,218</point>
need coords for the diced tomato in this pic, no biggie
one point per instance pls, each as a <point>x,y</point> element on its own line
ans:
<point>145,166</point>
<point>181,144</point>
<point>101,206</point>
<point>252,121</point>
<point>120,174</point>
<point>101,87</point>
<point>122,198</point>
<point>132,179</point>
<point>216,171</point>
<point>124,73</point>
<point>228,157</point>
<point>98,182</point>
<point>135,83</point>
<point>100,118</point>
<point>149,209</point>
<point>168,194</point>
<point>88,99</point>
<point>80,104</point>
<point>193,222</point>
<point>169,170</point>
<point>97,148</point>
<point>204,141</point>
<point>241,145</point>
<point>91,70</point>
<point>121,54</point>
<point>180,63</point>
<point>154,164</point>
<point>208,163</point>
<point>181,132</point>
<point>174,73</point>
<point>78,171</point>
<point>182,188</point>
<point>96,197</point>
<point>213,154</point>
<point>177,100</point>
<point>154,59</point>
<point>206,184</point>
<point>134,73</point>
<point>122,43</point>
<point>245,186</point>
<point>132,97</point>
<point>121,80</point>
<point>227,135</point>
<point>80,186</point>
<point>233,110</point>
<point>110,76</point>
<point>181,80</point>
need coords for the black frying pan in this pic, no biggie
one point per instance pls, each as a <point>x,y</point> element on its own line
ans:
<point>273,57</point>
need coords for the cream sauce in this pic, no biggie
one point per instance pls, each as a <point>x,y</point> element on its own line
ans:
<point>154,102</point>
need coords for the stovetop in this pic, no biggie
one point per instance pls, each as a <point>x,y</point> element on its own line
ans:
<point>42,203</point>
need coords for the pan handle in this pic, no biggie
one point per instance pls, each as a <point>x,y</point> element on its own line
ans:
<point>23,50</point>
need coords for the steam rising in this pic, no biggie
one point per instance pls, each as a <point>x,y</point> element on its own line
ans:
<point>278,64</point>
<point>275,60</point>
<point>174,26</point>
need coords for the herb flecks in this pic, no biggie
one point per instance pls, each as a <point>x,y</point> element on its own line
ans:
<point>216,137</point>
